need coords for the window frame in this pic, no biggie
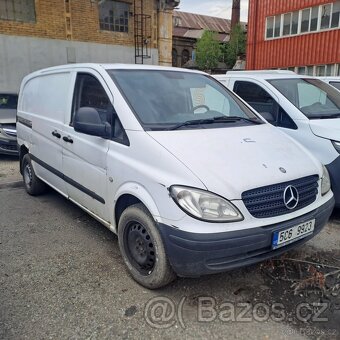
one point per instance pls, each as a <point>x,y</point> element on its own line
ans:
<point>125,26</point>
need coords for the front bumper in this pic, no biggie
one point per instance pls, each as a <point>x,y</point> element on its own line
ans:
<point>334,173</point>
<point>193,255</point>
<point>8,147</point>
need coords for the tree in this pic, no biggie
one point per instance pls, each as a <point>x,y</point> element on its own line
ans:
<point>208,51</point>
<point>236,46</point>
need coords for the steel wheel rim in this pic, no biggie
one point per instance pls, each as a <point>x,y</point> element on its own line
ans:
<point>140,248</point>
<point>28,175</point>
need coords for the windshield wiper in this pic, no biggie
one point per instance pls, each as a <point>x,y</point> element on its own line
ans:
<point>193,122</point>
<point>236,118</point>
<point>221,119</point>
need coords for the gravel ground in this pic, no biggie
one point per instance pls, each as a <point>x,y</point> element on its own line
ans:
<point>61,276</point>
<point>9,169</point>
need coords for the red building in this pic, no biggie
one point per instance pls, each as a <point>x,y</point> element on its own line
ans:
<point>302,35</point>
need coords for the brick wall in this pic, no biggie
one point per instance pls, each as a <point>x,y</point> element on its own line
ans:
<point>77,20</point>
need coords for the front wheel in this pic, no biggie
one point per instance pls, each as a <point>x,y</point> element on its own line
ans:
<point>33,185</point>
<point>142,248</point>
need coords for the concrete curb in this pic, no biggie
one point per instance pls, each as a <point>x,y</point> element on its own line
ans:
<point>14,184</point>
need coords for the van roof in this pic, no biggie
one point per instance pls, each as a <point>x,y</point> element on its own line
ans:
<point>263,75</point>
<point>329,78</point>
<point>262,72</point>
<point>98,66</point>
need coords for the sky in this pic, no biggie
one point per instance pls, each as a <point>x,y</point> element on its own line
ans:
<point>216,8</point>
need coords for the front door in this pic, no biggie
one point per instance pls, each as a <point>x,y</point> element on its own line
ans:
<point>84,156</point>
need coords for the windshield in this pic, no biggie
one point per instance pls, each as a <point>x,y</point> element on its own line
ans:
<point>312,97</point>
<point>165,100</point>
<point>8,101</point>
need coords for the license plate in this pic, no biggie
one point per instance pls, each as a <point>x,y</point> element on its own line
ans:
<point>293,234</point>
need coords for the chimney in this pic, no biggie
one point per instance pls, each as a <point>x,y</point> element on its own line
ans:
<point>235,16</point>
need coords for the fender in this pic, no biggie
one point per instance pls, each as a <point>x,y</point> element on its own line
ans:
<point>140,192</point>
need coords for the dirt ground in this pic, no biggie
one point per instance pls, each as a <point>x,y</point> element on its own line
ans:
<point>9,169</point>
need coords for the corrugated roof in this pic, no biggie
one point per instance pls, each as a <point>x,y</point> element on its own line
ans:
<point>199,22</point>
<point>191,25</point>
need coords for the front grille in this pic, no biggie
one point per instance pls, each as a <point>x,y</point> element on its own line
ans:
<point>268,201</point>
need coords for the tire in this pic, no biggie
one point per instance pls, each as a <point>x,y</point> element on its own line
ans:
<point>142,248</point>
<point>33,185</point>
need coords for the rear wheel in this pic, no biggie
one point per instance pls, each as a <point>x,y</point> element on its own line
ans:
<point>33,185</point>
<point>142,248</point>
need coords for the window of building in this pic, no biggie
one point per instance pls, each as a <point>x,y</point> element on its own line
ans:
<point>314,19</point>
<point>17,10</point>
<point>301,70</point>
<point>310,70</point>
<point>114,16</point>
<point>270,27</point>
<point>287,24</point>
<point>185,57</point>
<point>335,15</point>
<point>277,26</point>
<point>321,70</point>
<point>295,22</point>
<point>326,16</point>
<point>305,20</point>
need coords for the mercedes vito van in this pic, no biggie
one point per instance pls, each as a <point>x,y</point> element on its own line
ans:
<point>305,108</point>
<point>188,176</point>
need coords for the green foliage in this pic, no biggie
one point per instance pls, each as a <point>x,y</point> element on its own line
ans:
<point>208,51</point>
<point>236,45</point>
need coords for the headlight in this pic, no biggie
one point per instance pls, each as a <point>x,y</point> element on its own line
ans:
<point>325,181</point>
<point>205,205</point>
<point>336,145</point>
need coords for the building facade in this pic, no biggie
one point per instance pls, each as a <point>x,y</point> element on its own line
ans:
<point>303,36</point>
<point>40,33</point>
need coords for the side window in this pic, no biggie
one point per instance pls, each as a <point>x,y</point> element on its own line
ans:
<point>261,101</point>
<point>89,92</point>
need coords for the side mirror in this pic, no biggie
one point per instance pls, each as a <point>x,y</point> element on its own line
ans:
<point>87,120</point>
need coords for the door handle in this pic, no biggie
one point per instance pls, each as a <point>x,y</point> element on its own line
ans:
<point>68,139</point>
<point>55,133</point>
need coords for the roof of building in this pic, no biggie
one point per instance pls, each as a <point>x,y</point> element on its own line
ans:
<point>191,25</point>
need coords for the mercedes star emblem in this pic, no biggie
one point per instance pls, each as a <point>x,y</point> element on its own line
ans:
<point>291,197</point>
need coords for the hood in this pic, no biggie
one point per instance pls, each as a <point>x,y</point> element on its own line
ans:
<point>230,161</point>
<point>8,116</point>
<point>326,128</point>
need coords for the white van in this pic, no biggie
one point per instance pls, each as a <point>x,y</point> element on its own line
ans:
<point>190,179</point>
<point>305,108</point>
